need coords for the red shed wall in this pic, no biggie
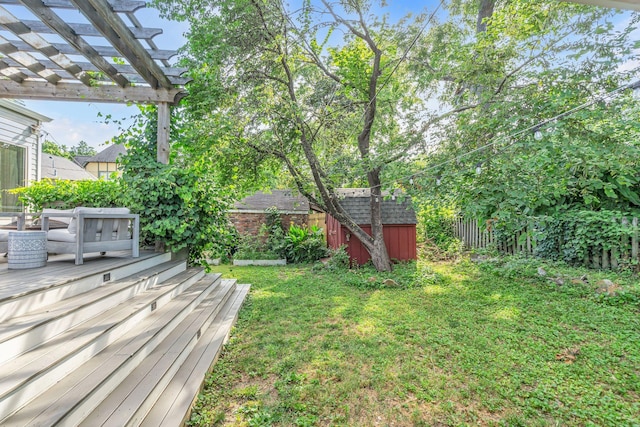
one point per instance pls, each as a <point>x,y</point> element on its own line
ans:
<point>400,240</point>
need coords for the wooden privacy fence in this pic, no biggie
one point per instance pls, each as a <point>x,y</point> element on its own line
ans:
<point>477,236</point>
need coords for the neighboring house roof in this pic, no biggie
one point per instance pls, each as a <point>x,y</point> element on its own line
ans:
<point>356,202</point>
<point>82,160</point>
<point>108,155</point>
<point>283,200</point>
<point>55,167</point>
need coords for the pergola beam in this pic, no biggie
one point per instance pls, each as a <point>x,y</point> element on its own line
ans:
<point>120,6</point>
<point>160,54</point>
<point>61,28</point>
<point>108,93</point>
<point>100,14</point>
<point>87,30</point>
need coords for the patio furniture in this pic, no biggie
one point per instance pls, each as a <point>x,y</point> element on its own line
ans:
<point>27,249</point>
<point>4,233</point>
<point>92,230</point>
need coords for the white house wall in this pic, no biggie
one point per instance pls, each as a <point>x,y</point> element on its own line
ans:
<point>16,129</point>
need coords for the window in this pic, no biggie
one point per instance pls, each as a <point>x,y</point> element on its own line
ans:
<point>12,175</point>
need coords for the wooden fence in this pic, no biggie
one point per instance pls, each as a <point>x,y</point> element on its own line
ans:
<point>475,236</point>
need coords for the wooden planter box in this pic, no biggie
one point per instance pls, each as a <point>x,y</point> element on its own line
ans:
<point>242,262</point>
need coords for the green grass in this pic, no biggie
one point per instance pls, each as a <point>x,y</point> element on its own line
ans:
<point>448,344</point>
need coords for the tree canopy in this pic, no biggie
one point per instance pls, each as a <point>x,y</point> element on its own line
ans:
<point>337,94</point>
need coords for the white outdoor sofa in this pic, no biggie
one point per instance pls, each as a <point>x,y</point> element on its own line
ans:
<point>92,230</point>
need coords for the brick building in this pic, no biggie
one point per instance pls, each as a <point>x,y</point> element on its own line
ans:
<point>249,214</point>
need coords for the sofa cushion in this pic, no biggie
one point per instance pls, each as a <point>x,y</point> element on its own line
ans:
<point>4,235</point>
<point>61,235</point>
<point>73,225</point>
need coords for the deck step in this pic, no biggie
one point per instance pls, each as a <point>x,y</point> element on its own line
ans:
<point>31,291</point>
<point>131,400</point>
<point>71,399</point>
<point>33,372</point>
<point>20,334</point>
<point>173,406</point>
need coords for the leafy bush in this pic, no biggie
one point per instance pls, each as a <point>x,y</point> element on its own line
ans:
<point>339,259</point>
<point>305,244</point>
<point>435,231</point>
<point>65,194</point>
<point>177,205</point>
<point>254,247</point>
<point>571,236</point>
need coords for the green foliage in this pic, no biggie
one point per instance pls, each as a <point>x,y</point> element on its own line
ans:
<point>435,231</point>
<point>254,247</point>
<point>50,147</point>
<point>82,149</point>
<point>299,244</point>
<point>339,259</point>
<point>305,244</point>
<point>179,203</point>
<point>65,194</point>
<point>535,61</point>
<point>572,236</point>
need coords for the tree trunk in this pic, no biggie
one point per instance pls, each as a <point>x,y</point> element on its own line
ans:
<point>485,11</point>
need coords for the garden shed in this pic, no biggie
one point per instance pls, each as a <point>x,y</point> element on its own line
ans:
<point>398,219</point>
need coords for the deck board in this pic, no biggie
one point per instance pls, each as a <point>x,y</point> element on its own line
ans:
<point>60,269</point>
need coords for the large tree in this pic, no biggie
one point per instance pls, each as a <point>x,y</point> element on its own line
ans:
<point>528,63</point>
<point>339,95</point>
<point>323,89</point>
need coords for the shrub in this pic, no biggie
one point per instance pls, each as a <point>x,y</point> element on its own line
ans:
<point>254,247</point>
<point>305,244</point>
<point>339,259</point>
<point>435,231</point>
<point>65,194</point>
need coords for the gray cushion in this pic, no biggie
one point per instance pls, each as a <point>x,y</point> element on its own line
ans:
<point>61,235</point>
<point>4,235</point>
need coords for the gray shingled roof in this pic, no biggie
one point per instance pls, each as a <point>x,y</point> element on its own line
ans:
<point>82,160</point>
<point>55,167</point>
<point>393,211</point>
<point>284,200</point>
<point>108,155</point>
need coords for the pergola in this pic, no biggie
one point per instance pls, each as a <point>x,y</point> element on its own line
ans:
<point>89,51</point>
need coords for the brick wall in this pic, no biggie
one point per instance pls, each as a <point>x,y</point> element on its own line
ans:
<point>250,223</point>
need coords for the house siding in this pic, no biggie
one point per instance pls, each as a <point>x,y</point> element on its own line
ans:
<point>15,129</point>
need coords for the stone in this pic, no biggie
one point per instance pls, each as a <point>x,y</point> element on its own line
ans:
<point>391,283</point>
<point>541,272</point>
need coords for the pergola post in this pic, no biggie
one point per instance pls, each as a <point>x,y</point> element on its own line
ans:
<point>164,125</point>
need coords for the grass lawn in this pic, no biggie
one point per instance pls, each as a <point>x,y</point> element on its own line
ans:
<point>453,345</point>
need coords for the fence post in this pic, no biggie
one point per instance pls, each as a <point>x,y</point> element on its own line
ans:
<point>625,239</point>
<point>614,250</point>
<point>634,239</point>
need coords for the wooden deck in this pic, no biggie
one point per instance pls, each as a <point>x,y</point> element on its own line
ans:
<point>138,336</point>
<point>59,269</point>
